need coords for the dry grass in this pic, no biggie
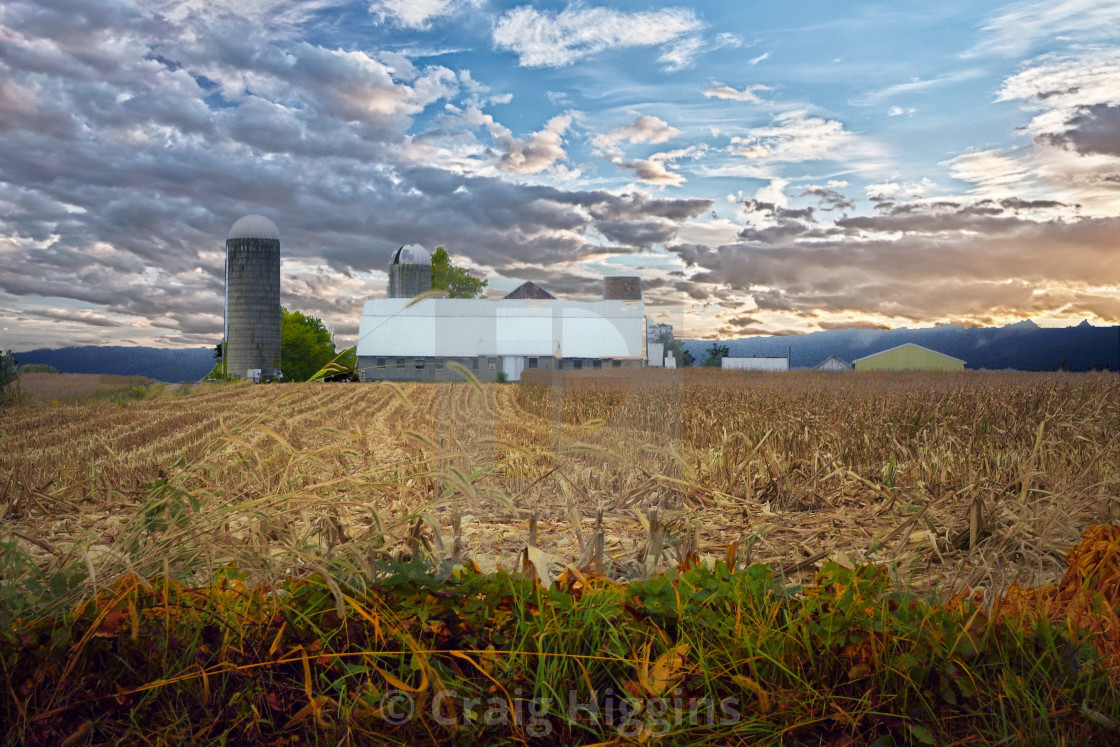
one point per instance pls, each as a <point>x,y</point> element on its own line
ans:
<point>953,481</point>
<point>49,386</point>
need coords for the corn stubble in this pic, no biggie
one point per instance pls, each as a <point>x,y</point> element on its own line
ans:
<point>951,481</point>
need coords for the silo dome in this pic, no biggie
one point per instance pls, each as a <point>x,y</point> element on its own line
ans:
<point>412,254</point>
<point>254,227</point>
<point>410,272</point>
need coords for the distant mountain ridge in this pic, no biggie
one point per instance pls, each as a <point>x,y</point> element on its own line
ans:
<point>1022,346</point>
<point>162,364</point>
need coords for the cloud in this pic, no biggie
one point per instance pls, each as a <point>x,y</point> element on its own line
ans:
<point>276,15</point>
<point>538,152</point>
<point>829,198</point>
<point>556,39</point>
<point>655,168</point>
<point>730,94</point>
<point>898,111</point>
<point>654,171</point>
<point>891,190</point>
<point>914,85</point>
<point>84,316</point>
<point>1070,156</point>
<point>945,260</point>
<point>1092,130</point>
<point>853,324</point>
<point>644,129</point>
<point>414,14</point>
<point>760,58</point>
<point>1020,26</point>
<point>796,136</point>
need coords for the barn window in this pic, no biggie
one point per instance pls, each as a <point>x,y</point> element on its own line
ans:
<point>532,363</point>
<point>400,362</point>
<point>474,363</point>
<point>493,364</point>
<point>381,363</point>
<point>577,363</point>
<point>616,364</point>
<point>597,364</point>
<point>419,362</point>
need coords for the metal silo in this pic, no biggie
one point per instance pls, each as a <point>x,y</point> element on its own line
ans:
<point>622,288</point>
<point>410,272</point>
<point>253,298</point>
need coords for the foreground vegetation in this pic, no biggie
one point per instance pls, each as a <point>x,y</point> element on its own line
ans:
<point>696,656</point>
<point>233,560</point>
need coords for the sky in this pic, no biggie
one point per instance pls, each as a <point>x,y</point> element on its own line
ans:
<point>766,167</point>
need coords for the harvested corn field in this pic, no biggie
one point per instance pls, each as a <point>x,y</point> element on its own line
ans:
<point>950,481</point>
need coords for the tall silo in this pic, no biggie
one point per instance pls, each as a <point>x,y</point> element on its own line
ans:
<point>622,288</point>
<point>253,297</point>
<point>410,272</point>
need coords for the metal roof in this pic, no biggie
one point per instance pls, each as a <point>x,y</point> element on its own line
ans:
<point>254,227</point>
<point>911,345</point>
<point>466,327</point>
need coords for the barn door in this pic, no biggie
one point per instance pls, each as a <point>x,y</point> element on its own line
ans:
<point>512,366</point>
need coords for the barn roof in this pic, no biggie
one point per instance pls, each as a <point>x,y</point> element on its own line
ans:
<point>529,289</point>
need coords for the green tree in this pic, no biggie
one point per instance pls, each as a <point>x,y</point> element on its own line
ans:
<point>715,355</point>
<point>38,368</point>
<point>306,345</point>
<point>455,280</point>
<point>9,374</point>
<point>682,356</point>
<point>219,370</point>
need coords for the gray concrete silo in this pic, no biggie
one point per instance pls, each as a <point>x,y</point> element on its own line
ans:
<point>253,297</point>
<point>410,272</point>
<point>622,288</point>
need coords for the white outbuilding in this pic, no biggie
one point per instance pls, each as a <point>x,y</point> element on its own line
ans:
<point>833,363</point>
<point>756,363</point>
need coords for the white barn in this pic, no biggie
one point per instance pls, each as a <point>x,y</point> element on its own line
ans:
<point>409,340</point>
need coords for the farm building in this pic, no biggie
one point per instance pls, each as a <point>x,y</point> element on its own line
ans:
<point>756,364</point>
<point>405,339</point>
<point>908,357</point>
<point>833,363</point>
